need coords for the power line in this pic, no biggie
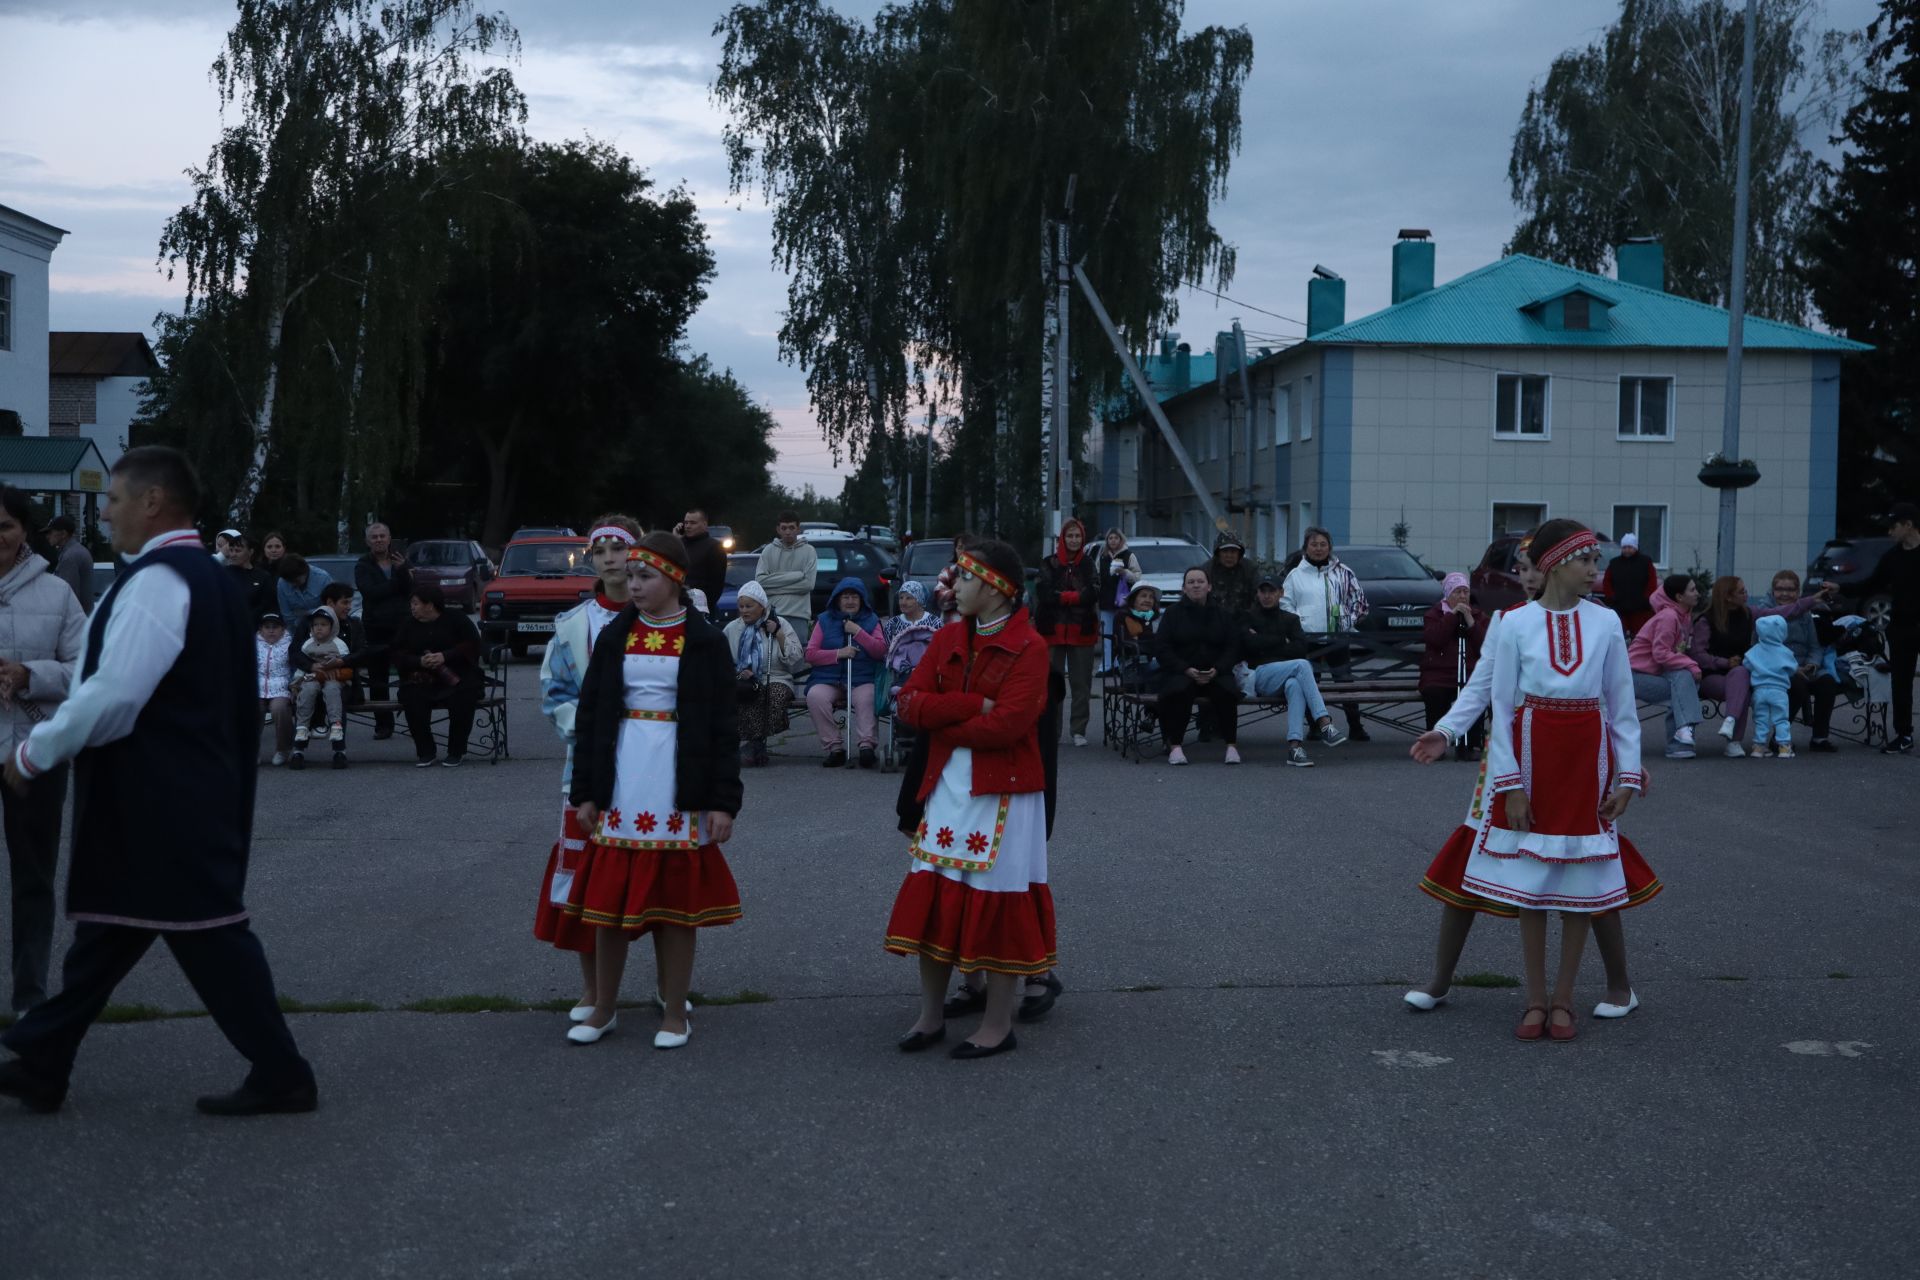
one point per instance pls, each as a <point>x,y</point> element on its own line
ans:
<point>1248,305</point>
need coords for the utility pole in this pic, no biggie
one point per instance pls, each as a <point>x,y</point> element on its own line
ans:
<point>926,530</point>
<point>1061,462</point>
<point>1736,307</point>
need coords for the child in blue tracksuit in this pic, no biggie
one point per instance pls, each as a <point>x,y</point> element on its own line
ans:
<point>1771,665</point>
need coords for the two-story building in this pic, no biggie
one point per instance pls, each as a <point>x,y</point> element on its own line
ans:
<point>1517,392</point>
<point>26,249</point>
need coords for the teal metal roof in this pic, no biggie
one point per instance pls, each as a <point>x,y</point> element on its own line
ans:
<point>1485,308</point>
<point>42,455</point>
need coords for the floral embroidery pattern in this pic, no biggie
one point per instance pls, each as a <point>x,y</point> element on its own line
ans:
<point>977,843</point>
<point>613,819</point>
<point>945,838</point>
<point>646,823</point>
<point>655,642</point>
<point>674,822</point>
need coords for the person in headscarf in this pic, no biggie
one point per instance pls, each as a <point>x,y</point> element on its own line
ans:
<point>1455,632</point>
<point>1066,614</point>
<point>765,650</point>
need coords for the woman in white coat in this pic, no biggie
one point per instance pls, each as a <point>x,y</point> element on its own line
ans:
<point>42,629</point>
<point>765,651</point>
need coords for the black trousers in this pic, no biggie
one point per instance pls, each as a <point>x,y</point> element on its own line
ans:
<point>1903,648</point>
<point>228,970</point>
<point>1821,691</point>
<point>1339,664</point>
<point>33,854</point>
<point>417,702</point>
<point>1440,701</point>
<point>1220,698</point>
<point>378,668</point>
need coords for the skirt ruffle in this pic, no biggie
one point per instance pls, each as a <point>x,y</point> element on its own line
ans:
<point>950,922</point>
<point>637,890</point>
<point>1448,868</point>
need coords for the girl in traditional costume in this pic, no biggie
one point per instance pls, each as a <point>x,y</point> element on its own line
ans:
<point>975,897</point>
<point>656,779</point>
<point>562,669</point>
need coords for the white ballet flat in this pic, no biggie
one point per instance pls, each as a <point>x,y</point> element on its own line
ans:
<point>580,1013</point>
<point>584,1034</point>
<point>1605,1010</point>
<point>661,1005</point>
<point>669,1040</point>
<point>1423,1002</point>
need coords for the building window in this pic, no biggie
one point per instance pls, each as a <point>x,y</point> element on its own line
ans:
<point>1520,406</point>
<point>6,312</point>
<point>1283,414</point>
<point>1650,523</point>
<point>1646,408</point>
<point>1282,535</point>
<point>1306,407</point>
<point>1517,517</point>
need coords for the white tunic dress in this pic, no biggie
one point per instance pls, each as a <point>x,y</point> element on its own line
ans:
<point>642,815</point>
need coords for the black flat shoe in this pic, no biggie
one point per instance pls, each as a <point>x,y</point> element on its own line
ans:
<point>1034,1008</point>
<point>965,1001</point>
<point>835,760</point>
<point>968,1049</point>
<point>868,758</point>
<point>915,1041</point>
<point>248,1101</point>
<point>36,1092</point>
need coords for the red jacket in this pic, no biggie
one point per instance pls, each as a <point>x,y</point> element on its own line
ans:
<point>947,690</point>
<point>1453,649</point>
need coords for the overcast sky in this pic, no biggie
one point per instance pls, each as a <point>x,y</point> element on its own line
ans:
<point>1360,118</point>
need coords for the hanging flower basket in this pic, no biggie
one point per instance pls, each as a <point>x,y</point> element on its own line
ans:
<point>1720,474</point>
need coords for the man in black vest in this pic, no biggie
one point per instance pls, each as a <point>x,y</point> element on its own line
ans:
<point>162,732</point>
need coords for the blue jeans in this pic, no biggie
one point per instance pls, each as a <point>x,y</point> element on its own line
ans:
<point>1678,690</point>
<point>1292,679</point>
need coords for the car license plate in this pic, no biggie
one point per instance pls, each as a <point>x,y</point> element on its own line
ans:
<point>1405,622</point>
<point>541,627</point>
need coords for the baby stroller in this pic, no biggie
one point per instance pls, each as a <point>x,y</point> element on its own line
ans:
<point>904,652</point>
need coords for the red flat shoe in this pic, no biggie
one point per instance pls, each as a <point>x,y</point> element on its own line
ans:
<point>1567,1032</point>
<point>1531,1030</point>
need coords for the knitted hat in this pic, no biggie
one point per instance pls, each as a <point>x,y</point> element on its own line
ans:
<point>751,590</point>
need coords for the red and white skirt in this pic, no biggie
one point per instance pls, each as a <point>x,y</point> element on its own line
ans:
<point>560,888</point>
<point>1443,881</point>
<point>637,890</point>
<point>1569,858</point>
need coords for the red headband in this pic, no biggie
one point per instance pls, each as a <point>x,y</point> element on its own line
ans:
<point>1555,556</point>
<point>989,576</point>
<point>657,561</point>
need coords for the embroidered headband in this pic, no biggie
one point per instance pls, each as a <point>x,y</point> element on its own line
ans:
<point>1566,549</point>
<point>991,577</point>
<point>658,562</point>
<point>611,533</point>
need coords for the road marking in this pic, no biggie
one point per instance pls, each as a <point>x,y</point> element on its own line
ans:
<point>1409,1058</point>
<point>1828,1048</point>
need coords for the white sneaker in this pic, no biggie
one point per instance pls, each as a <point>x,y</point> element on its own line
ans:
<point>1176,756</point>
<point>1079,739</point>
<point>301,736</point>
<point>664,1039</point>
<point>1781,753</point>
<point>1735,751</point>
<point>1726,728</point>
<point>1299,759</point>
<point>1684,735</point>
<point>1233,754</point>
<point>338,733</point>
<point>279,758</point>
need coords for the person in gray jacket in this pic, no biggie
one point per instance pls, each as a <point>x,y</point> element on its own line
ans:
<point>42,630</point>
<point>72,562</point>
<point>787,570</point>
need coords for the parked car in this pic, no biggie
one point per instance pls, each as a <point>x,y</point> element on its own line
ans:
<point>541,531</point>
<point>1850,562</point>
<point>806,526</point>
<point>880,535</point>
<point>722,534</point>
<point>340,569</point>
<point>923,562</point>
<point>458,564</point>
<point>1164,562</point>
<point>1399,588</point>
<point>104,572</point>
<point>539,579</point>
<point>1494,583</point>
<point>840,555</point>
<point>740,569</point>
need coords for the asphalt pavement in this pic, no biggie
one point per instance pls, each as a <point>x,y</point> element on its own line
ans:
<point>1230,1085</point>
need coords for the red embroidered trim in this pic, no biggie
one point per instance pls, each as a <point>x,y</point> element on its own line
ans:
<point>1566,646</point>
<point>1563,550</point>
<point>1561,704</point>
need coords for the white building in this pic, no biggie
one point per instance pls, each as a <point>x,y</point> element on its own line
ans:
<point>96,382</point>
<point>26,247</point>
<point>1520,391</point>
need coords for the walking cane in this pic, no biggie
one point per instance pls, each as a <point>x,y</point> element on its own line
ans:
<point>849,687</point>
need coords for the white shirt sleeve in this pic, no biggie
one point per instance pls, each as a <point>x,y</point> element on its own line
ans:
<point>1472,700</point>
<point>1503,769</point>
<point>144,637</point>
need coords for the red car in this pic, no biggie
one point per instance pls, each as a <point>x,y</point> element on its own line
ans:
<point>539,579</point>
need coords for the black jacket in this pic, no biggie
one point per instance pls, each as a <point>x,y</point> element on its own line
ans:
<point>1897,574</point>
<point>706,570</point>
<point>1056,619</point>
<point>451,633</point>
<point>261,590</point>
<point>706,752</point>
<point>1197,636</point>
<point>1271,635</point>
<point>383,596</point>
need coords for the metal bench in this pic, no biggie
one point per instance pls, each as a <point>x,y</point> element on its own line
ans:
<point>489,736</point>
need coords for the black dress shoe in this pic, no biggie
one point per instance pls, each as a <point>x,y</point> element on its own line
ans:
<point>248,1101</point>
<point>835,760</point>
<point>965,1001</point>
<point>1034,1008</point>
<point>18,1080</point>
<point>1357,734</point>
<point>968,1049</point>
<point>915,1041</point>
<point>382,733</point>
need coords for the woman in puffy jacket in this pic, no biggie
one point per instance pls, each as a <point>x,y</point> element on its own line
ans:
<point>1663,666</point>
<point>42,629</point>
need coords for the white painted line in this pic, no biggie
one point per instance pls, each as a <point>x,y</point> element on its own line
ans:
<point>1409,1058</point>
<point>1828,1048</point>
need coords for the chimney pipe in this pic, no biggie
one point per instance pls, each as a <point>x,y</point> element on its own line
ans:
<point>1326,302</point>
<point>1643,261</point>
<point>1412,264</point>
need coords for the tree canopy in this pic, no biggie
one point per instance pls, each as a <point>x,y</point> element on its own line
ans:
<point>1637,135</point>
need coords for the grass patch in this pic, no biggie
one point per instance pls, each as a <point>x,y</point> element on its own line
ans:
<point>1145,986</point>
<point>1486,980</point>
<point>746,995</point>
<point>1838,974</point>
<point>563,1005</point>
<point>1728,977</point>
<point>145,1013</point>
<point>468,1004</point>
<point>289,1005</point>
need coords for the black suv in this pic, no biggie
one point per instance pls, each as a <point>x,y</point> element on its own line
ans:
<point>844,556</point>
<point>1850,562</point>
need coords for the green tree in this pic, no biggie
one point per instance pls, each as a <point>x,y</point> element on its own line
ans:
<point>1636,134</point>
<point>1860,267</point>
<point>316,228</point>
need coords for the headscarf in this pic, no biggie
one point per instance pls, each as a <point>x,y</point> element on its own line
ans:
<point>918,590</point>
<point>1450,584</point>
<point>752,654</point>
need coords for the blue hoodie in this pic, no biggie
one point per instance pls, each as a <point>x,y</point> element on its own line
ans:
<point>1770,663</point>
<point>832,626</point>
